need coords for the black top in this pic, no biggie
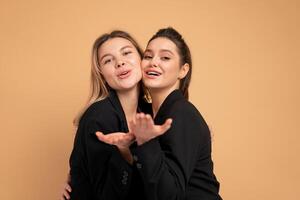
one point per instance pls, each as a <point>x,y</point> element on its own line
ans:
<point>98,170</point>
<point>177,164</point>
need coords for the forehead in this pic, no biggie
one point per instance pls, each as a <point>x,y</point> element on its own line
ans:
<point>162,43</point>
<point>113,45</point>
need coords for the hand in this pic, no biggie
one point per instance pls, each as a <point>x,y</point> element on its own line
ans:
<point>121,140</point>
<point>66,189</point>
<point>144,128</point>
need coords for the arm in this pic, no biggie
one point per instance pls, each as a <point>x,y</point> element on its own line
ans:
<point>79,183</point>
<point>98,171</point>
<point>121,140</point>
<point>166,163</point>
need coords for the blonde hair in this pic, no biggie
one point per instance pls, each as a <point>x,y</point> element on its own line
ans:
<point>99,89</point>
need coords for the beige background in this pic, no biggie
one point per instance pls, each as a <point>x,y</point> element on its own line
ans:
<point>245,83</point>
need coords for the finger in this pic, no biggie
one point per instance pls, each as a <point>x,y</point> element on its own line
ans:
<point>100,135</point>
<point>169,121</point>
<point>166,126</point>
<point>117,139</point>
<point>149,121</point>
<point>122,141</point>
<point>143,121</point>
<point>68,188</point>
<point>138,115</point>
<point>138,121</point>
<point>66,194</point>
<point>112,140</point>
<point>104,138</point>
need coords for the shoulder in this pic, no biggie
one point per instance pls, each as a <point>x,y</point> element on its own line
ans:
<point>98,112</point>
<point>100,116</point>
<point>185,113</point>
<point>184,107</point>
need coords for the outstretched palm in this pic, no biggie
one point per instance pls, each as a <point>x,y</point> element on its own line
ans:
<point>144,128</point>
<point>121,140</point>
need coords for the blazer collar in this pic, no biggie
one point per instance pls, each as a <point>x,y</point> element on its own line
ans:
<point>114,99</point>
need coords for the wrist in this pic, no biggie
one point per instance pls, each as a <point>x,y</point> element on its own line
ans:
<point>140,141</point>
<point>126,154</point>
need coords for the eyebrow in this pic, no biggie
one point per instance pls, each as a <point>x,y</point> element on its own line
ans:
<point>161,50</point>
<point>127,46</point>
<point>108,54</point>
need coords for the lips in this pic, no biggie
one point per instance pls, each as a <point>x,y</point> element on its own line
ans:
<point>124,74</point>
<point>151,73</point>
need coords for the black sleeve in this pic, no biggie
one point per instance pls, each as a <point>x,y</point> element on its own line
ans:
<point>167,163</point>
<point>80,184</point>
<point>98,170</point>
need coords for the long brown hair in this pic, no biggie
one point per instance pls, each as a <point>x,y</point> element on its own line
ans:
<point>184,54</point>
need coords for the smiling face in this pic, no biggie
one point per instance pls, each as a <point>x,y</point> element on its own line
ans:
<point>161,65</point>
<point>120,64</point>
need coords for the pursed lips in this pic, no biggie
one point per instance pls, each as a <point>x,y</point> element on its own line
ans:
<point>123,74</point>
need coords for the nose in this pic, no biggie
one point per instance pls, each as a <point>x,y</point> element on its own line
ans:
<point>154,62</point>
<point>120,63</point>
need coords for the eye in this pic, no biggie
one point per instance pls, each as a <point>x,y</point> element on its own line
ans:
<point>165,58</point>
<point>127,52</point>
<point>106,61</point>
<point>147,57</point>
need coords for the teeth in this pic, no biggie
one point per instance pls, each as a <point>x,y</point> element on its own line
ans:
<point>153,73</point>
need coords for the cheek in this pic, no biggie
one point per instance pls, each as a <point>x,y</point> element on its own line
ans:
<point>144,64</point>
<point>134,59</point>
<point>138,72</point>
<point>107,73</point>
<point>172,70</point>
<point>135,62</point>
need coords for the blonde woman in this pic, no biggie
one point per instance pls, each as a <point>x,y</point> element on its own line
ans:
<point>101,170</point>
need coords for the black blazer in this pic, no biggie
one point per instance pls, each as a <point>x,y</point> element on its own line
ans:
<point>178,164</point>
<point>98,170</point>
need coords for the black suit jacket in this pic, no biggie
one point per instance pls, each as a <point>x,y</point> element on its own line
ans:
<point>98,170</point>
<point>178,164</point>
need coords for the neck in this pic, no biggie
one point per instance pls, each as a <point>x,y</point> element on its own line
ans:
<point>129,102</point>
<point>158,96</point>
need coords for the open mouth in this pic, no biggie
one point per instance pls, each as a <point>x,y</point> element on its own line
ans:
<point>153,73</point>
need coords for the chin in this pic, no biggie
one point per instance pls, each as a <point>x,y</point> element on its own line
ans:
<point>151,84</point>
<point>128,86</point>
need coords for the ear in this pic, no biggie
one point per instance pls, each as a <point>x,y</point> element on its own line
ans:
<point>184,70</point>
